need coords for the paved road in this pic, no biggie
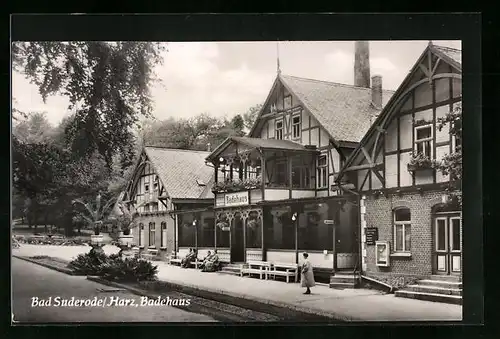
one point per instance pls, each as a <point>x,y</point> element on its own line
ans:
<point>34,281</point>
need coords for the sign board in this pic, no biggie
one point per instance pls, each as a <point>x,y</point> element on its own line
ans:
<point>329,222</point>
<point>236,199</point>
<point>371,234</point>
<point>225,228</point>
<point>382,253</point>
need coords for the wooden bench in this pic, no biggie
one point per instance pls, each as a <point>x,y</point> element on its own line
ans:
<point>151,254</point>
<point>196,263</point>
<point>284,270</point>
<point>256,267</point>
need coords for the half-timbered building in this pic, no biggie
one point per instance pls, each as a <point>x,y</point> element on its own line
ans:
<point>407,230</point>
<point>171,190</point>
<point>275,192</point>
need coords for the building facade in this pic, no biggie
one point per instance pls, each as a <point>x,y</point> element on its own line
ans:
<point>275,192</point>
<point>170,191</point>
<point>408,229</point>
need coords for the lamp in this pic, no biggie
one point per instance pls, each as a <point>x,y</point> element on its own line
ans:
<point>294,216</point>
<point>221,159</point>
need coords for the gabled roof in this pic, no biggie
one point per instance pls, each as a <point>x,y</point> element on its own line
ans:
<point>345,111</point>
<point>450,55</point>
<point>181,172</point>
<point>275,144</point>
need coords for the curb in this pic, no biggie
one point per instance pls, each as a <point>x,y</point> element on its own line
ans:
<point>240,300</point>
<point>55,268</point>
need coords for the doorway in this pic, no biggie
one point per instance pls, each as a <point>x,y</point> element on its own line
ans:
<point>237,240</point>
<point>448,244</point>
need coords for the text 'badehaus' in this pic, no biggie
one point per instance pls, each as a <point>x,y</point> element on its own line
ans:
<point>323,163</point>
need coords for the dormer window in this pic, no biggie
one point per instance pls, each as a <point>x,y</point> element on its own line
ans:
<point>279,129</point>
<point>200,182</point>
<point>296,127</point>
<point>423,140</point>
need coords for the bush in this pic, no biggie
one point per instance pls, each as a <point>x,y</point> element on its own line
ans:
<point>90,263</point>
<point>129,270</point>
<point>113,267</point>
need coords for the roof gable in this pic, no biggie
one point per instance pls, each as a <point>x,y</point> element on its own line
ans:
<point>181,172</point>
<point>344,111</point>
<point>414,78</point>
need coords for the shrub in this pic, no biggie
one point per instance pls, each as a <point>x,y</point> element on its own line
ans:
<point>89,263</point>
<point>129,270</point>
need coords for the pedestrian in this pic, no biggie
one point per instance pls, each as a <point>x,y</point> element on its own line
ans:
<point>307,275</point>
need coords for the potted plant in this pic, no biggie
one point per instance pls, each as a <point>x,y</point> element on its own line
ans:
<point>419,161</point>
<point>421,122</point>
<point>94,214</point>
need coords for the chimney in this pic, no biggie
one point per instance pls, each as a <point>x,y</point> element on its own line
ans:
<point>208,147</point>
<point>362,64</point>
<point>377,91</point>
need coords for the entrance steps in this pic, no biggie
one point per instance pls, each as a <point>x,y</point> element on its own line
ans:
<point>231,269</point>
<point>344,279</point>
<point>445,289</point>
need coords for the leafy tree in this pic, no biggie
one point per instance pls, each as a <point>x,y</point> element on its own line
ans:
<point>35,129</point>
<point>250,116</point>
<point>107,83</point>
<point>451,164</point>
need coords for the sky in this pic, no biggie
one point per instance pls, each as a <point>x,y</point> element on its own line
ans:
<point>227,78</point>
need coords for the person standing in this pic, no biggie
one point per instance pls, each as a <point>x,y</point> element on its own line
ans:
<point>307,275</point>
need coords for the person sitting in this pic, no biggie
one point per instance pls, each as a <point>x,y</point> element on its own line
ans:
<point>188,258</point>
<point>212,263</point>
<point>205,259</point>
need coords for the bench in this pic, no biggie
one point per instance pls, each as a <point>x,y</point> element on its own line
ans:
<point>196,263</point>
<point>151,254</point>
<point>174,259</point>
<point>256,267</point>
<point>284,270</point>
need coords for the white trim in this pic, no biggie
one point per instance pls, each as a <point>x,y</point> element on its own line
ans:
<point>428,139</point>
<point>297,115</point>
<point>437,234</point>
<point>403,224</point>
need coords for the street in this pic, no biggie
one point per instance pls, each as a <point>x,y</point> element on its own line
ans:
<point>33,281</point>
<point>43,295</point>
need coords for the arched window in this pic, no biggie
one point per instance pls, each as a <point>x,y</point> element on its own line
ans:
<point>402,230</point>
<point>163,234</point>
<point>141,234</point>
<point>152,236</point>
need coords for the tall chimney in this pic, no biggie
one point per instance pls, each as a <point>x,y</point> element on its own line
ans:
<point>377,91</point>
<point>362,64</point>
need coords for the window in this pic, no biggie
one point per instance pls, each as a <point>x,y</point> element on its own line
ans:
<point>279,129</point>
<point>287,102</point>
<point>300,173</point>
<point>402,230</point>
<point>281,173</point>
<point>423,140</point>
<point>154,207</point>
<point>163,234</point>
<point>146,208</point>
<point>146,188</point>
<point>322,179</point>
<point>155,184</point>
<point>152,234</point>
<point>141,234</point>
<point>296,127</point>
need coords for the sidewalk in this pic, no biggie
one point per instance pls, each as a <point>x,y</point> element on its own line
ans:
<point>348,304</point>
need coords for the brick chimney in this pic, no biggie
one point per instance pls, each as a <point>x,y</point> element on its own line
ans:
<point>362,64</point>
<point>377,91</point>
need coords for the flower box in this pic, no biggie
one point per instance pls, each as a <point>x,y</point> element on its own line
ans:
<point>419,162</point>
<point>236,185</point>
<point>125,240</point>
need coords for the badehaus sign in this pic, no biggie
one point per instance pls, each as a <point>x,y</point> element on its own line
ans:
<point>236,199</point>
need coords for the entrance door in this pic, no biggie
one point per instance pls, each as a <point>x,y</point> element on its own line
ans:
<point>448,245</point>
<point>237,240</point>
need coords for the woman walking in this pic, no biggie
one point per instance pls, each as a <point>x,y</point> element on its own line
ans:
<point>307,275</point>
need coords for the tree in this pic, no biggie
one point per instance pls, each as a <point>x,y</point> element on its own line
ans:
<point>36,128</point>
<point>250,116</point>
<point>451,164</point>
<point>107,84</point>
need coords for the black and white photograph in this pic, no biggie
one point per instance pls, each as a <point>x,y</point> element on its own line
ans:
<point>237,181</point>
